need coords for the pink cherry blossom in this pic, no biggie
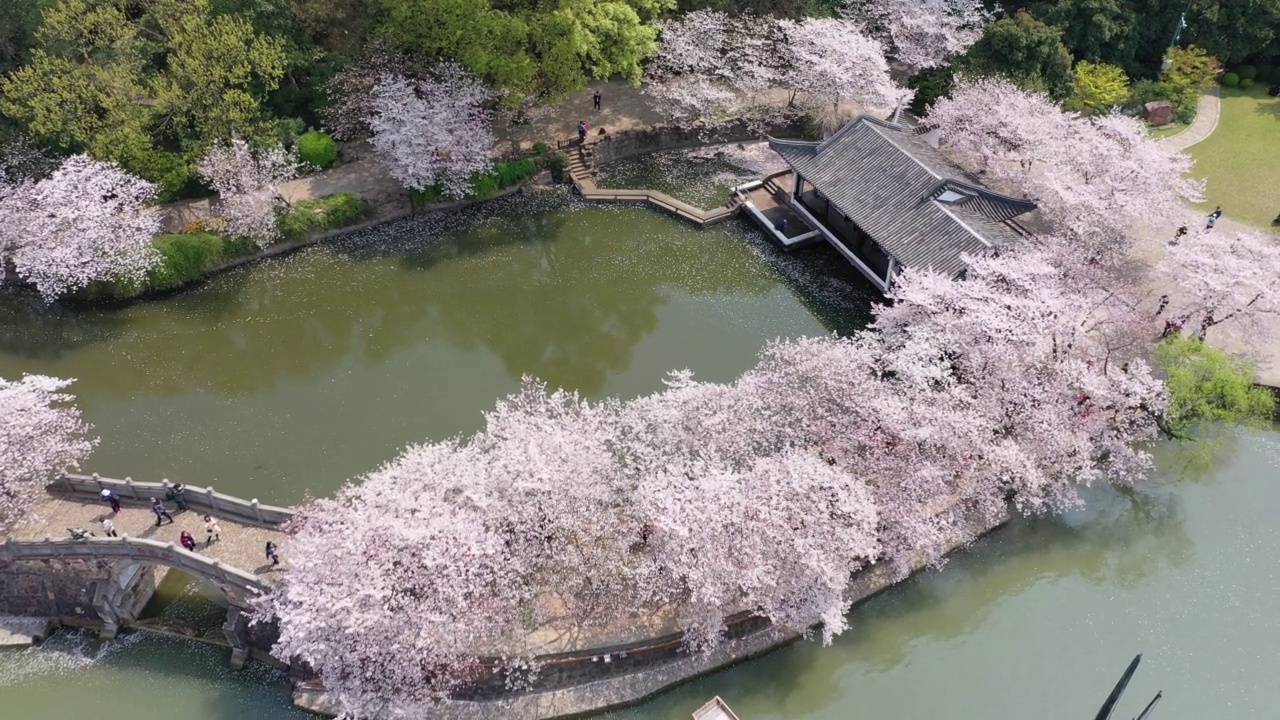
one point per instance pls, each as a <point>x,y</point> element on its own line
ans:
<point>921,33</point>
<point>248,187</point>
<point>87,221</point>
<point>41,436</point>
<point>433,131</point>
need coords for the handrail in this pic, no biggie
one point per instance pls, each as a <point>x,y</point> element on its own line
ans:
<point>130,548</point>
<point>250,512</point>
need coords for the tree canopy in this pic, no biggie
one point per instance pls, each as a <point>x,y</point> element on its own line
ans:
<point>140,87</point>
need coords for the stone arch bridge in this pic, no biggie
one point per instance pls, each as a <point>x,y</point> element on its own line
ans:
<point>104,582</point>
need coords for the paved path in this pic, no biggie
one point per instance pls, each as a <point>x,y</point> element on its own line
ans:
<point>241,546</point>
<point>1208,108</point>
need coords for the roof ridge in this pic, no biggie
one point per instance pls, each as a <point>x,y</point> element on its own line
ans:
<point>907,152</point>
<point>979,189</point>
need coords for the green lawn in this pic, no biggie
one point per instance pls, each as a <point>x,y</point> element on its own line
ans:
<point>1241,159</point>
<point>1170,131</point>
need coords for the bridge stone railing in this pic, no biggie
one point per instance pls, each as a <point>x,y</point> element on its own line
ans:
<point>113,598</point>
<point>242,585</point>
<point>249,512</point>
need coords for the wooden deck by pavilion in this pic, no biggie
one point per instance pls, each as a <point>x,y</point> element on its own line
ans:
<point>886,199</point>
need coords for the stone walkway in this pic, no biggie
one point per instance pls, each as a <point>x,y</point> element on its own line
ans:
<point>1208,108</point>
<point>241,546</point>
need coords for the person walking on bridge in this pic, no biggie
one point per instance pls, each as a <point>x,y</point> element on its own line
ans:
<point>188,541</point>
<point>272,555</point>
<point>108,527</point>
<point>159,509</point>
<point>212,531</point>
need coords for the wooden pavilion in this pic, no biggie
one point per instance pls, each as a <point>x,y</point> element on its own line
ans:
<point>885,198</point>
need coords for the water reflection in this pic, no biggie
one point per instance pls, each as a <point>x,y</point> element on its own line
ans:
<point>304,370</point>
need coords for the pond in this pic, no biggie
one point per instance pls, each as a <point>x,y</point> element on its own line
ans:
<point>303,371</point>
<point>297,373</point>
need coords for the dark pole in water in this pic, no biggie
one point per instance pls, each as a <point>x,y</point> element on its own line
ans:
<point>1110,705</point>
<point>1150,705</point>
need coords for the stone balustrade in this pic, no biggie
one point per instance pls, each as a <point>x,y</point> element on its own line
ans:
<point>249,512</point>
<point>239,585</point>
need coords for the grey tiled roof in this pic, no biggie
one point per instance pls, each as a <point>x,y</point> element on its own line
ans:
<point>887,180</point>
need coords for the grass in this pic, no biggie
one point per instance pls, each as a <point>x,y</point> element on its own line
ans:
<point>326,213</point>
<point>1239,159</point>
<point>1169,131</point>
<point>487,184</point>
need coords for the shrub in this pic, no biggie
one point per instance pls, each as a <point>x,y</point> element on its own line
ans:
<point>483,186</point>
<point>556,163</point>
<point>1230,79</point>
<point>1207,385</point>
<point>541,148</point>
<point>1246,83</point>
<point>1265,71</point>
<point>1098,86</point>
<point>418,198</point>
<point>514,171</point>
<point>184,258</point>
<point>1190,68</point>
<point>1247,72</point>
<point>317,148</point>
<point>326,213</point>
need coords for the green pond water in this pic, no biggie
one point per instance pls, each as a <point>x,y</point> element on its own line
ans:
<point>298,373</point>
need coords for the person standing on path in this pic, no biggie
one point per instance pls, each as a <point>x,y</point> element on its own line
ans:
<point>582,132</point>
<point>111,499</point>
<point>1179,234</point>
<point>158,508</point>
<point>595,101</point>
<point>212,530</point>
<point>108,527</point>
<point>272,555</point>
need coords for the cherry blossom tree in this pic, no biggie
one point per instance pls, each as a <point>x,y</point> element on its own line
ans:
<point>1224,275</point>
<point>1098,180</point>
<point>87,221</point>
<point>41,436</point>
<point>1055,372</point>
<point>248,186</point>
<point>710,65</point>
<point>831,60</point>
<point>349,93</point>
<point>434,131</point>
<point>921,33</point>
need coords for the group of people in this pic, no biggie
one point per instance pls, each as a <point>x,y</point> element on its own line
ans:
<point>176,494</point>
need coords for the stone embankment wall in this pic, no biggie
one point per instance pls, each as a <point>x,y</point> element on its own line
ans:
<point>597,679</point>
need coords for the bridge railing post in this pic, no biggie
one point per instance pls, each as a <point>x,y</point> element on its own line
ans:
<point>213,498</point>
<point>257,510</point>
<point>133,491</point>
<point>98,479</point>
